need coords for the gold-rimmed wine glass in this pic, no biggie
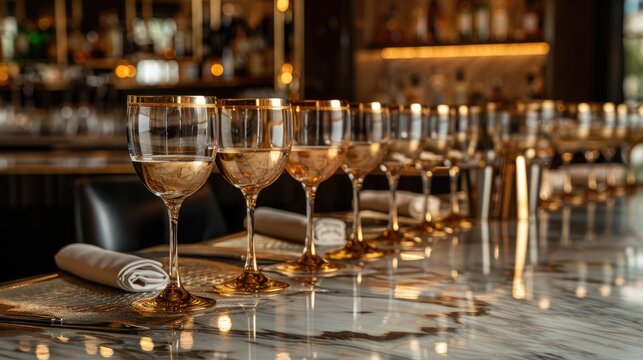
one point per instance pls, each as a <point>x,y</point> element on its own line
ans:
<point>321,134</point>
<point>465,132</point>
<point>370,133</point>
<point>255,136</point>
<point>435,146</point>
<point>172,144</point>
<point>403,150</point>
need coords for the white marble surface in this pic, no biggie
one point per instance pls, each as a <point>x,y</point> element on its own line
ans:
<point>568,285</point>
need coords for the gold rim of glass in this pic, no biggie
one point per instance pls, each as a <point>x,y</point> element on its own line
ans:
<point>370,107</point>
<point>254,103</point>
<point>320,105</point>
<point>171,101</point>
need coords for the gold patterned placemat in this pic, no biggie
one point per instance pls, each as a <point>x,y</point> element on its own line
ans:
<point>69,297</point>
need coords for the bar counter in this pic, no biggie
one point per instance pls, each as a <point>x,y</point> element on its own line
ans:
<point>565,285</point>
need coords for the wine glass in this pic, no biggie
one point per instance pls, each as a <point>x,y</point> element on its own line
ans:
<point>320,142</point>
<point>407,131</point>
<point>613,137</point>
<point>465,128</point>
<point>172,144</point>
<point>255,136</point>
<point>633,137</point>
<point>566,139</point>
<point>595,127</point>
<point>435,146</point>
<point>370,132</point>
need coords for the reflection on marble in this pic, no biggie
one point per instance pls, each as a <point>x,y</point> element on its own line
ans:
<point>565,285</point>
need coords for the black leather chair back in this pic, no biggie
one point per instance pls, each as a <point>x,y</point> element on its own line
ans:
<point>119,213</point>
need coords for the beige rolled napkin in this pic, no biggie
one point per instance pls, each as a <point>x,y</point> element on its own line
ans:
<point>125,271</point>
<point>553,181</point>
<point>408,203</point>
<point>291,226</point>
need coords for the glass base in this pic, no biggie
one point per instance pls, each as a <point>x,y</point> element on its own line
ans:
<point>568,198</point>
<point>457,221</point>
<point>431,229</point>
<point>309,264</point>
<point>250,283</point>
<point>354,250</point>
<point>395,238</point>
<point>173,300</point>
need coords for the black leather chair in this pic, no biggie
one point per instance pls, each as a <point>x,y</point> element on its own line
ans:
<point>119,213</point>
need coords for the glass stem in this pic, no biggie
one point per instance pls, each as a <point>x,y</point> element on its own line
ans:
<point>393,180</point>
<point>592,182</point>
<point>173,206</point>
<point>567,178</point>
<point>309,246</point>
<point>251,259</point>
<point>453,180</point>
<point>427,176</point>
<point>630,179</point>
<point>357,220</point>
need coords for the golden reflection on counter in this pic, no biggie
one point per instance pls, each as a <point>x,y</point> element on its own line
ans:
<point>146,343</point>
<point>544,303</point>
<point>282,356</point>
<point>519,290</point>
<point>186,341</point>
<point>224,323</point>
<point>91,345</point>
<point>106,352</point>
<point>441,348</point>
<point>24,345</point>
<point>42,352</point>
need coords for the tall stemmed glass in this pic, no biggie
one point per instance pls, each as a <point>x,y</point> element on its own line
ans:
<point>633,137</point>
<point>407,131</point>
<point>255,136</point>
<point>594,129</point>
<point>465,132</point>
<point>370,133</point>
<point>435,146</point>
<point>320,141</point>
<point>566,139</point>
<point>172,144</point>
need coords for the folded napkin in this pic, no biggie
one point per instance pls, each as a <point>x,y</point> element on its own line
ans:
<point>554,180</point>
<point>128,272</point>
<point>291,226</point>
<point>408,203</point>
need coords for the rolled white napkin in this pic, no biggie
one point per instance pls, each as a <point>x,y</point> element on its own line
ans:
<point>125,271</point>
<point>291,226</point>
<point>553,181</point>
<point>408,203</point>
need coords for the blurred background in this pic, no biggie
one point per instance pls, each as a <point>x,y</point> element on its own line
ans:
<point>67,66</point>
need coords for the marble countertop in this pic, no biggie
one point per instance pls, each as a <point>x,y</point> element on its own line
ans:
<point>566,285</point>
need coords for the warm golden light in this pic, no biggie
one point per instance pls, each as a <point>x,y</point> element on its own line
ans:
<point>544,303</point>
<point>416,108</point>
<point>106,352</point>
<point>125,71</point>
<point>146,343</point>
<point>441,348</point>
<point>91,345</point>
<point>287,68</point>
<point>224,323</point>
<point>282,5</point>
<point>42,352</point>
<point>608,107</point>
<point>583,107</point>
<point>484,50</point>
<point>186,341</point>
<point>376,106</point>
<point>285,78</point>
<point>519,289</point>
<point>443,110</point>
<point>216,69</point>
<point>282,356</point>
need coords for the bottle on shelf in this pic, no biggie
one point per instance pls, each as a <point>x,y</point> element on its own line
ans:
<point>465,21</point>
<point>460,89</point>
<point>499,20</point>
<point>531,20</point>
<point>435,22</point>
<point>481,21</point>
